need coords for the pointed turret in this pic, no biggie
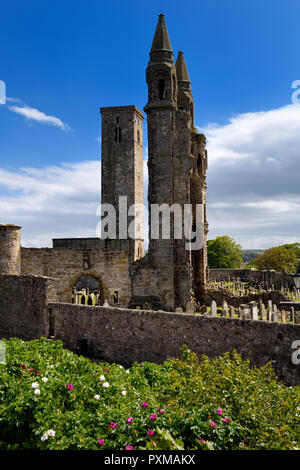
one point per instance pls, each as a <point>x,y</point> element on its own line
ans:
<point>161,40</point>
<point>161,49</point>
<point>181,71</point>
<point>185,100</point>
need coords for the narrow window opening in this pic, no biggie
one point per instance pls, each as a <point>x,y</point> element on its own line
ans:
<point>120,134</point>
<point>138,136</point>
<point>116,134</point>
<point>161,84</point>
<point>116,297</point>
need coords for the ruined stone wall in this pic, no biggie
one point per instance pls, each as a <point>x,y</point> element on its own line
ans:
<point>23,306</point>
<point>67,265</point>
<point>125,336</point>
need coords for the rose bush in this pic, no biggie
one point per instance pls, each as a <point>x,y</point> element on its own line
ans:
<point>185,403</point>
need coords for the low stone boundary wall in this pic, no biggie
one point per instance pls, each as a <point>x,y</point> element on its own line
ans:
<point>24,305</point>
<point>125,336</point>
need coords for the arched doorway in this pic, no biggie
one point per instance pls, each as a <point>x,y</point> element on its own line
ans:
<point>88,289</point>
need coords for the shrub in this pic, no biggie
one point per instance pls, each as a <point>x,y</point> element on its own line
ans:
<point>51,398</point>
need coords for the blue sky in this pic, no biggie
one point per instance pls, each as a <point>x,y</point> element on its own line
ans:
<point>62,60</point>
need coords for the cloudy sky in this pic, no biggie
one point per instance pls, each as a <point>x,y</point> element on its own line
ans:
<point>60,67</point>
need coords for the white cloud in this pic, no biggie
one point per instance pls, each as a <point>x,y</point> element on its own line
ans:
<point>55,201</point>
<point>253,177</point>
<point>34,114</point>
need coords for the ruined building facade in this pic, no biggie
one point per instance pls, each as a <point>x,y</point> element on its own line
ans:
<point>169,275</point>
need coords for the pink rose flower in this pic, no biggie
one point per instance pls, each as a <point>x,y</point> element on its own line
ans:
<point>31,369</point>
<point>37,372</point>
<point>151,433</point>
<point>220,411</point>
<point>23,366</point>
<point>162,411</point>
<point>226,420</point>
<point>70,386</point>
<point>105,370</point>
<point>101,442</point>
<point>153,417</point>
<point>213,424</point>
<point>202,441</point>
<point>129,447</point>
<point>113,425</point>
<point>130,419</point>
<point>145,404</point>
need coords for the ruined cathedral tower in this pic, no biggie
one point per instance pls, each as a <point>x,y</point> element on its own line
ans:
<point>171,274</point>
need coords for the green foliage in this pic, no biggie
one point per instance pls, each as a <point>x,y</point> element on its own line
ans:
<point>184,403</point>
<point>278,258</point>
<point>249,255</point>
<point>224,252</point>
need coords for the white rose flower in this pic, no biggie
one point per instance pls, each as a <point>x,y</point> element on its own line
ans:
<point>44,379</point>
<point>37,391</point>
<point>121,367</point>
<point>97,397</point>
<point>51,433</point>
<point>44,437</point>
<point>106,385</point>
<point>127,372</point>
<point>35,385</point>
<point>101,378</point>
<point>124,393</point>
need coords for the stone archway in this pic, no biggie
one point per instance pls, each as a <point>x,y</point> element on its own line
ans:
<point>90,281</point>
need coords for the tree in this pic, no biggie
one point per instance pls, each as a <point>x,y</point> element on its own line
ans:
<point>224,252</point>
<point>278,258</point>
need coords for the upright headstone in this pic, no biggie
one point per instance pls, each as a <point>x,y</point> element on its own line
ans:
<point>253,311</point>
<point>245,311</point>
<point>224,309</point>
<point>269,313</point>
<point>263,312</point>
<point>190,307</point>
<point>297,318</point>
<point>292,317</point>
<point>213,308</point>
<point>232,311</point>
<point>283,316</point>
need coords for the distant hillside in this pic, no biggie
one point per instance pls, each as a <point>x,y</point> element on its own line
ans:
<point>249,255</point>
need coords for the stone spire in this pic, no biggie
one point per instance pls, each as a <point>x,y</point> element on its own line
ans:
<point>183,78</point>
<point>161,40</point>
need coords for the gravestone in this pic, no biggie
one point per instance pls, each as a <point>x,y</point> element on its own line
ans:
<point>190,307</point>
<point>232,311</point>
<point>253,311</point>
<point>179,310</point>
<point>213,308</point>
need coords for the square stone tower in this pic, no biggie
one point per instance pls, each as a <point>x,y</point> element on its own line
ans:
<point>122,174</point>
